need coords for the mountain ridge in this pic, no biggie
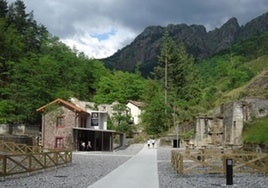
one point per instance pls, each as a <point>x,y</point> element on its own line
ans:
<point>142,52</point>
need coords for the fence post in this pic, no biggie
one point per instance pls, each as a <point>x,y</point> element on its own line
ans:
<point>56,154</point>
<point>45,159</point>
<point>177,162</point>
<point>30,164</point>
<point>203,157</point>
<point>224,164</point>
<point>180,164</point>
<point>65,157</point>
<point>4,165</point>
<point>266,163</point>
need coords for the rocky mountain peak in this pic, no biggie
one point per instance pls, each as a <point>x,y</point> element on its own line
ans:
<point>143,51</point>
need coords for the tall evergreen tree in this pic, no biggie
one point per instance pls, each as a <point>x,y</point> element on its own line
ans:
<point>184,75</point>
<point>20,16</point>
<point>3,8</point>
<point>155,113</point>
<point>177,69</point>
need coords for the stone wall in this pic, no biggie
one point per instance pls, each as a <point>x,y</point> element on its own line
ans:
<point>257,107</point>
<point>202,125</point>
<point>260,148</point>
<point>50,131</point>
<point>20,129</point>
<point>4,129</point>
<point>19,139</point>
<point>210,130</point>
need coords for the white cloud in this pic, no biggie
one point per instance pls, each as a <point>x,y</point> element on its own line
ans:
<point>100,27</point>
<point>100,45</point>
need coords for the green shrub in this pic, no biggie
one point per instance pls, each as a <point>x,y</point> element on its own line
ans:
<point>256,131</point>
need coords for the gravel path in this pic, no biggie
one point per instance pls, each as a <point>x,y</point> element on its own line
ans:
<point>88,167</point>
<point>169,178</point>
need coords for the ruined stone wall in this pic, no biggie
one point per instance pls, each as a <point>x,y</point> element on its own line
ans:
<point>4,129</point>
<point>198,131</point>
<point>226,126</point>
<point>216,131</point>
<point>257,107</point>
<point>233,120</point>
<point>203,126</point>
<point>227,115</point>
<point>237,124</point>
<point>20,129</point>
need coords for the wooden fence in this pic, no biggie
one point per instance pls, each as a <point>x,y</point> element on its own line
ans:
<point>207,161</point>
<point>18,158</point>
<point>12,147</point>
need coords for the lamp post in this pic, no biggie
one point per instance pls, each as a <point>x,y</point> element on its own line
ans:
<point>177,125</point>
<point>177,135</point>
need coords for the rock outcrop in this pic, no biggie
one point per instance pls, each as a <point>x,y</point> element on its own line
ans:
<point>143,51</point>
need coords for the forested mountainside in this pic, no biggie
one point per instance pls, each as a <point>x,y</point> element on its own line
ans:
<point>142,53</point>
<point>36,68</point>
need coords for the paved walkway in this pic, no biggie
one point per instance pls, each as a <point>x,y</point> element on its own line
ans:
<point>138,172</point>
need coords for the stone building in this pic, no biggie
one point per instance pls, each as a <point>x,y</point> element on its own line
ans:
<point>226,125</point>
<point>74,124</point>
<point>209,130</point>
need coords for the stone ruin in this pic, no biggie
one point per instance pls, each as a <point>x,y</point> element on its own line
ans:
<point>225,126</point>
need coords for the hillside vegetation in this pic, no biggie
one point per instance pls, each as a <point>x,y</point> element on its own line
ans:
<point>237,72</point>
<point>142,53</point>
<point>36,68</point>
<point>256,131</point>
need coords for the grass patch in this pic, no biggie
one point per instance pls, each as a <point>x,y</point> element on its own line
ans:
<point>256,131</point>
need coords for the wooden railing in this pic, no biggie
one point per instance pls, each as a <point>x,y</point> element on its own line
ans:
<point>12,147</point>
<point>207,161</point>
<point>18,158</point>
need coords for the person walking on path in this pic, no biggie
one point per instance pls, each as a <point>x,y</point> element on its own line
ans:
<point>148,143</point>
<point>138,172</point>
<point>153,141</point>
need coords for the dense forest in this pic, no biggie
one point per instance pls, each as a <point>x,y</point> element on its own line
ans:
<point>36,67</point>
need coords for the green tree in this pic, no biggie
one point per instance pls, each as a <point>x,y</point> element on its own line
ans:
<point>180,75</point>
<point>18,16</point>
<point>3,8</point>
<point>167,59</point>
<point>122,120</point>
<point>154,118</point>
<point>119,86</point>
<point>185,78</point>
<point>155,113</point>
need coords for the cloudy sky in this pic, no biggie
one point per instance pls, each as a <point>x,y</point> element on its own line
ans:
<point>100,27</point>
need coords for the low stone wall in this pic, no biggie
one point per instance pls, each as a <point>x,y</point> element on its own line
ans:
<point>260,148</point>
<point>20,129</point>
<point>4,129</point>
<point>19,139</point>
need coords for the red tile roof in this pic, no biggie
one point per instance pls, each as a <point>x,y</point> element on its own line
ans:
<point>63,102</point>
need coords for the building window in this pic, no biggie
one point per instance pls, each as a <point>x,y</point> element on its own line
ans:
<point>59,122</point>
<point>95,119</point>
<point>59,142</point>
